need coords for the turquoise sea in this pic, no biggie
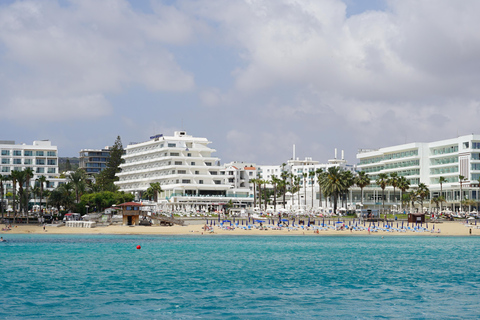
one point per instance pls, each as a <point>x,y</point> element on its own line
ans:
<point>227,277</point>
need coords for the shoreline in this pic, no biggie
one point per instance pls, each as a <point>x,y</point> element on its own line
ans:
<point>446,229</point>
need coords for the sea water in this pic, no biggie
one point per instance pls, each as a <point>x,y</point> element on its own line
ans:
<point>229,277</point>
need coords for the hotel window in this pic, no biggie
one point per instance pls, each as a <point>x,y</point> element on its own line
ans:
<point>40,170</point>
<point>39,153</point>
<point>17,161</point>
<point>17,153</point>
<point>51,162</point>
<point>28,161</point>
<point>5,169</point>
<point>178,163</point>
<point>5,161</point>
<point>172,145</point>
<point>200,181</point>
<point>174,154</point>
<point>182,171</point>
<point>466,145</point>
<point>189,154</point>
<point>197,172</point>
<point>51,170</point>
<point>40,161</point>
<point>5,152</point>
<point>192,163</point>
<point>28,153</point>
<point>475,145</point>
<point>185,181</point>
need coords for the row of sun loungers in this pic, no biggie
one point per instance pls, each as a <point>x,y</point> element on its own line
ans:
<point>337,227</point>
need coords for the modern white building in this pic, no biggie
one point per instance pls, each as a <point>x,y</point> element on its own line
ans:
<point>426,163</point>
<point>190,177</point>
<point>41,157</point>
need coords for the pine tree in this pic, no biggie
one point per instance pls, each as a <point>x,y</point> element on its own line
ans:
<point>106,177</point>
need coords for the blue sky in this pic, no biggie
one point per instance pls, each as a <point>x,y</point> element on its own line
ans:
<point>254,77</point>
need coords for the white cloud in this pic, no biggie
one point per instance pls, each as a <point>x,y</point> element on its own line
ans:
<point>88,47</point>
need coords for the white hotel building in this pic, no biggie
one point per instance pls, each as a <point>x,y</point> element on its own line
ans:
<point>308,198</point>
<point>40,156</point>
<point>426,163</point>
<point>190,177</point>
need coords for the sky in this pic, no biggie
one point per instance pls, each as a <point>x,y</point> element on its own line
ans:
<point>255,77</point>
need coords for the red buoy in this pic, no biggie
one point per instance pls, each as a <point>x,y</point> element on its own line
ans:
<point>139,247</point>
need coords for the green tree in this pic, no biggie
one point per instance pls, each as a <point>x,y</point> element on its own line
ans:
<point>254,182</point>
<point>311,175</point>
<point>41,180</point>
<point>333,184</point>
<point>77,180</point>
<point>305,176</point>
<point>362,180</point>
<point>106,178</point>
<point>441,180</point>
<point>3,179</point>
<point>275,181</point>
<point>319,172</point>
<point>422,193</point>
<point>382,181</point>
<point>284,177</point>
<point>403,185</point>
<point>393,181</point>
<point>155,188</point>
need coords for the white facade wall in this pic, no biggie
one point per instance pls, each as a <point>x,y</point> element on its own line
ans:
<point>448,158</point>
<point>40,156</point>
<point>184,167</point>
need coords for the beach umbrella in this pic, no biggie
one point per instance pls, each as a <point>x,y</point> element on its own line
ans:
<point>402,224</point>
<point>213,222</point>
<point>323,222</point>
<point>426,225</point>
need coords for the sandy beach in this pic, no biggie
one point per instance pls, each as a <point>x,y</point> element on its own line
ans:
<point>454,228</point>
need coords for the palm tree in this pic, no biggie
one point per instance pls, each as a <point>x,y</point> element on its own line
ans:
<point>284,177</point>
<point>77,178</point>
<point>41,180</point>
<point>28,175</point>
<point>13,177</point>
<point>259,184</point>
<point>2,191</point>
<point>333,184</point>
<point>393,181</point>
<point>349,180</point>
<point>305,175</point>
<point>297,186</point>
<point>441,180</point>
<point>319,172</point>
<point>382,181</point>
<point>311,175</point>
<point>254,182</point>
<point>422,192</point>
<point>275,181</point>
<point>403,185</point>
<point>156,188</point>
<point>362,180</point>
<point>462,179</point>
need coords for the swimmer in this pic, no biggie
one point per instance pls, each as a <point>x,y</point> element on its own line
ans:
<point>2,240</point>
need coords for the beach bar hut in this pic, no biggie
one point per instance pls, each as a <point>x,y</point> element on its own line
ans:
<point>130,212</point>
<point>416,217</point>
